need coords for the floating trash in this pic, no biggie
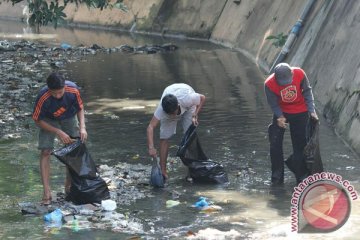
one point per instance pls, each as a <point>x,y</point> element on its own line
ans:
<point>205,206</point>
<point>108,205</point>
<point>171,203</point>
<point>65,46</point>
<point>54,219</point>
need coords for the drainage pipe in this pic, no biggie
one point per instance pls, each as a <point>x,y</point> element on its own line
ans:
<point>293,34</point>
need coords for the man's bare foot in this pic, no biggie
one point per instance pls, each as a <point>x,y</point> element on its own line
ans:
<point>165,176</point>
<point>67,190</point>
<point>46,201</point>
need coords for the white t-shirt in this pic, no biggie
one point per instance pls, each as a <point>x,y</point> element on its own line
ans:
<point>187,98</point>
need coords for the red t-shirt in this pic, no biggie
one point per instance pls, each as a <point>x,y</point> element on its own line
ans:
<point>290,96</point>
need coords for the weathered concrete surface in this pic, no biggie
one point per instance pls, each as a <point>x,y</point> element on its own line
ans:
<point>333,64</point>
<point>327,47</point>
<point>141,11</point>
<point>188,17</point>
<point>246,25</point>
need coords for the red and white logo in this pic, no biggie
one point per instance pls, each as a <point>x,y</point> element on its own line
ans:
<point>325,207</point>
<point>289,94</point>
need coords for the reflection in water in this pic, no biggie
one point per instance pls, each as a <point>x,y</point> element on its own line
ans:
<point>120,92</point>
<point>104,105</point>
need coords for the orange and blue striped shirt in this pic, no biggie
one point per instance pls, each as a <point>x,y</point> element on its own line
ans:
<point>66,107</point>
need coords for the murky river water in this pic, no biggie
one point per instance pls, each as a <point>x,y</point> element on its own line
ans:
<point>120,92</point>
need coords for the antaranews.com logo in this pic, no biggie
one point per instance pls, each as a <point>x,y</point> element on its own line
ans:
<point>321,203</point>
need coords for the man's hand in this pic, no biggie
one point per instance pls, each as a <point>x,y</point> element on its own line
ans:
<point>314,116</point>
<point>150,136</point>
<point>64,137</point>
<point>152,152</point>
<point>83,134</point>
<point>281,122</point>
<point>195,120</point>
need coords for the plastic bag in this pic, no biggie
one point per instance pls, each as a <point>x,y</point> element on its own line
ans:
<point>108,205</point>
<point>312,148</point>
<point>312,158</point>
<point>78,159</point>
<point>86,185</point>
<point>156,177</point>
<point>201,169</point>
<point>55,216</point>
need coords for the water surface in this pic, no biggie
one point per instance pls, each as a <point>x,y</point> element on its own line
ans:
<point>121,91</point>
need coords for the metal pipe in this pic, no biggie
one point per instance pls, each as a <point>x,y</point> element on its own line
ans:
<point>293,35</point>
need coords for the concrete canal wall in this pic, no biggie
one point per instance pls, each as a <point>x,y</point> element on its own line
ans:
<point>327,47</point>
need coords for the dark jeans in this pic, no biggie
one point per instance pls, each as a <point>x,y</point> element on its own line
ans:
<point>296,161</point>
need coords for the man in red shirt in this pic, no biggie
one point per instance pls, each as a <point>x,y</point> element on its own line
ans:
<point>58,112</point>
<point>290,97</point>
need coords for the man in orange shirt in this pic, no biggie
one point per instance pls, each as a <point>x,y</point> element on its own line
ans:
<point>58,111</point>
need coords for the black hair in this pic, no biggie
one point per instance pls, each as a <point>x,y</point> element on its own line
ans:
<point>55,81</point>
<point>169,103</point>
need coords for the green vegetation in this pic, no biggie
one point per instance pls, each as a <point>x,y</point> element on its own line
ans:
<point>43,12</point>
<point>278,40</point>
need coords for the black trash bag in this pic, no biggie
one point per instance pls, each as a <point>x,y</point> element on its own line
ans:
<point>201,169</point>
<point>78,159</point>
<point>312,159</point>
<point>299,168</point>
<point>84,191</point>
<point>86,185</point>
<point>156,177</point>
<point>312,148</point>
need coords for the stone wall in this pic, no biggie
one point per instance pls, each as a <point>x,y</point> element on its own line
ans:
<point>327,47</point>
<point>333,64</point>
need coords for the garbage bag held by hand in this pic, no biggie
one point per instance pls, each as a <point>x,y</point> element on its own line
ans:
<point>77,158</point>
<point>190,147</point>
<point>156,177</point>
<point>201,168</point>
<point>86,185</point>
<point>312,148</point>
<point>312,159</point>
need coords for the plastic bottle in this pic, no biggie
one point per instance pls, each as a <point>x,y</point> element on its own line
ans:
<point>75,224</point>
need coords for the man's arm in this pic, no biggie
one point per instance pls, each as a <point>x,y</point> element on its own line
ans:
<point>81,118</point>
<point>198,109</point>
<point>273,101</point>
<point>308,96</point>
<point>150,136</point>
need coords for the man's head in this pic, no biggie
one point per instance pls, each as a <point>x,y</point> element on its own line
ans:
<point>170,104</point>
<point>283,74</point>
<point>56,85</point>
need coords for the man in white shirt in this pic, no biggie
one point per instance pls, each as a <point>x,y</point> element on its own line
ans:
<point>179,101</point>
